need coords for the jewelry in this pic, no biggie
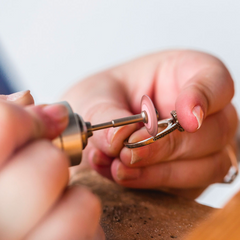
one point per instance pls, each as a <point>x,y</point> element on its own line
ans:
<point>150,117</point>
<point>170,125</point>
<point>75,137</point>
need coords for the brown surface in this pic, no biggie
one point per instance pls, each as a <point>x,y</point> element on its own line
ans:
<point>222,225</point>
<point>142,214</point>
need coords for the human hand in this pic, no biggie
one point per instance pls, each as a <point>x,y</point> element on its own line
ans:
<point>35,202</point>
<point>197,85</point>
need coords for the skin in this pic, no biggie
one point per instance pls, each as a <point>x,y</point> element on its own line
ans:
<point>193,83</point>
<point>36,202</point>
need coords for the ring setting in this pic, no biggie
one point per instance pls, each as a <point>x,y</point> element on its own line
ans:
<point>170,125</point>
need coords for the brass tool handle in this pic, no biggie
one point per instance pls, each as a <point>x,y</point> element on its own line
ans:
<point>70,141</point>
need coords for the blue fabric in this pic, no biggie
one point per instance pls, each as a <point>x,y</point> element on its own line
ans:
<point>5,88</point>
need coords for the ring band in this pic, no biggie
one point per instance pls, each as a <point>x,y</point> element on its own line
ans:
<point>171,124</point>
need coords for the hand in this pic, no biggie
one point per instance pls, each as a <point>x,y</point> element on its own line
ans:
<point>35,202</point>
<point>197,85</point>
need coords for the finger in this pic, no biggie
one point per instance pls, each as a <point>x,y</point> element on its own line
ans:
<point>100,162</point>
<point>99,235</point>
<point>178,76</point>
<point>20,125</point>
<point>207,92</point>
<point>196,84</point>
<point>23,98</point>
<point>103,104</point>
<point>196,173</point>
<point>76,216</point>
<point>30,184</point>
<point>217,131</point>
<point>95,159</point>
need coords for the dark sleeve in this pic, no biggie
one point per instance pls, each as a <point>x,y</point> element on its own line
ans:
<point>5,87</point>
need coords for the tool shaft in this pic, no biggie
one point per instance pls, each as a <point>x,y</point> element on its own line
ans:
<point>120,122</point>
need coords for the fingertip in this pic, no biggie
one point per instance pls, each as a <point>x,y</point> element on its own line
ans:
<point>114,167</point>
<point>22,98</point>
<point>115,170</point>
<point>116,137</point>
<point>205,93</point>
<point>198,113</point>
<point>48,120</point>
<point>190,108</point>
<point>100,165</point>
<point>111,141</point>
<point>125,155</point>
<point>123,174</point>
<point>130,157</point>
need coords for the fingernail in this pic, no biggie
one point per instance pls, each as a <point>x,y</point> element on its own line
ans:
<point>57,112</point>
<point>135,157</point>
<point>17,95</point>
<point>112,132</point>
<point>198,113</point>
<point>139,154</point>
<point>124,173</point>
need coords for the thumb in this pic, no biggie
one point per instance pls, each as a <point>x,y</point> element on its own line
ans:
<point>22,125</point>
<point>209,91</point>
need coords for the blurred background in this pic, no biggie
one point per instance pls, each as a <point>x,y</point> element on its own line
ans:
<point>48,45</point>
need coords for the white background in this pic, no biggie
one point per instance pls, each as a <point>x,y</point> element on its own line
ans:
<point>48,45</point>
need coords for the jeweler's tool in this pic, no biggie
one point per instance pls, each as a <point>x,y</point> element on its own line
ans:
<point>149,116</point>
<point>75,137</point>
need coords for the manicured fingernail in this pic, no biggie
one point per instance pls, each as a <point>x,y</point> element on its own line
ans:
<point>198,113</point>
<point>112,132</point>
<point>140,154</point>
<point>135,157</point>
<point>57,112</point>
<point>124,173</point>
<point>17,95</point>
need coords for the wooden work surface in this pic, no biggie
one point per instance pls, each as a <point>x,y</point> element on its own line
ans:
<point>142,214</point>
